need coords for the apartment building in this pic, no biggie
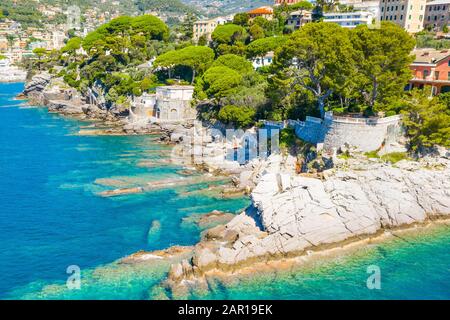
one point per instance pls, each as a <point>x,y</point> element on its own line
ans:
<point>437,14</point>
<point>206,27</point>
<point>431,68</point>
<point>409,14</point>
<point>298,18</point>
<point>349,19</point>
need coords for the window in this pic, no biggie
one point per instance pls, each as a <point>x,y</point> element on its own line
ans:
<point>448,75</point>
<point>425,74</point>
<point>436,75</point>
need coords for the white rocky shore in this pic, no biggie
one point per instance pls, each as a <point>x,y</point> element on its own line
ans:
<point>292,214</point>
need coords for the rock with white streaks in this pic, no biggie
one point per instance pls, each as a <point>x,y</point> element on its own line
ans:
<point>291,214</point>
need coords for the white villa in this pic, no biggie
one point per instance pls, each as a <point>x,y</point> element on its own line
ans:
<point>349,19</point>
<point>168,104</point>
<point>262,61</point>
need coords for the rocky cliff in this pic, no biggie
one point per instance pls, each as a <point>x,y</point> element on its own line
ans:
<point>291,214</point>
<point>47,90</point>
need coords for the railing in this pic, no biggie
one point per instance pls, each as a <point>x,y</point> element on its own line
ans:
<point>282,124</point>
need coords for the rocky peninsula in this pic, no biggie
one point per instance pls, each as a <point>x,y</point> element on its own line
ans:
<point>293,213</point>
<point>293,216</point>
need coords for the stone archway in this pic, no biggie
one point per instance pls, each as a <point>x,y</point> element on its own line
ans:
<point>173,114</point>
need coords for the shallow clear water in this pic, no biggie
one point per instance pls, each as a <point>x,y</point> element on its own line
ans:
<point>51,217</point>
<point>50,214</point>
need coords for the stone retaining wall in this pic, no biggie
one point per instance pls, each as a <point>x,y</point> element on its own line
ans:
<point>366,134</point>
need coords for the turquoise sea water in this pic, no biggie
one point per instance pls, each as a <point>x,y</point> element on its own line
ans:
<point>51,217</point>
<point>50,214</point>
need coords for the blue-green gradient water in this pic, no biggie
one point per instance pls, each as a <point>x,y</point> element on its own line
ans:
<point>51,217</point>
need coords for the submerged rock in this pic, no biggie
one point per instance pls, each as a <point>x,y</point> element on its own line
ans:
<point>209,220</point>
<point>119,192</point>
<point>154,231</point>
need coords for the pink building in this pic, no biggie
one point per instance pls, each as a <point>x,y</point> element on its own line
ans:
<point>431,68</point>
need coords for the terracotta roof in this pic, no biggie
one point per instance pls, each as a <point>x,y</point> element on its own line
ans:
<point>262,10</point>
<point>430,55</point>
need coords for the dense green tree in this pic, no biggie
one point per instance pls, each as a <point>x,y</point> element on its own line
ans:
<point>382,57</point>
<point>270,27</point>
<point>444,98</point>
<point>187,27</point>
<point>239,116</point>
<point>220,81</point>
<point>202,40</point>
<point>115,34</point>
<point>72,45</point>
<point>198,58</point>
<point>40,53</point>
<point>318,58</point>
<point>427,121</point>
<point>260,47</point>
<point>228,34</point>
<point>256,32</point>
<point>241,19</point>
<point>237,49</point>
<point>234,62</point>
<point>301,5</point>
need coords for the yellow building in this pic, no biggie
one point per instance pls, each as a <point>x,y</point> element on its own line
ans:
<point>206,27</point>
<point>409,14</point>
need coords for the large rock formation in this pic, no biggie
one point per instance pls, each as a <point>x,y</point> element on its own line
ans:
<point>34,88</point>
<point>291,214</point>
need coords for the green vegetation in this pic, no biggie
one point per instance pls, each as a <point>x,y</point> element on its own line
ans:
<point>394,157</point>
<point>427,121</point>
<point>323,64</point>
<point>345,155</point>
<point>426,39</point>
<point>163,5</point>
<point>24,12</point>
<point>318,68</point>
<point>259,48</point>
<point>359,70</point>
<point>372,154</point>
<point>221,81</point>
<point>232,61</point>
<point>287,138</point>
<point>197,58</point>
<point>239,116</point>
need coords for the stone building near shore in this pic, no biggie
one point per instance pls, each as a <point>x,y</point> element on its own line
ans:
<point>365,134</point>
<point>168,104</point>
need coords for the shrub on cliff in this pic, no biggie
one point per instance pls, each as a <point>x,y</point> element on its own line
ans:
<point>427,121</point>
<point>239,116</point>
